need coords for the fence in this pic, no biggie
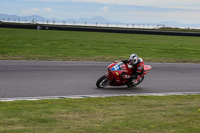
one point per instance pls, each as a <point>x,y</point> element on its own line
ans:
<point>96,24</point>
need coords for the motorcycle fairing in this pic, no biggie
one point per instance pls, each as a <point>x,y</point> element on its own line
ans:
<point>147,68</point>
<point>116,68</point>
<point>115,74</point>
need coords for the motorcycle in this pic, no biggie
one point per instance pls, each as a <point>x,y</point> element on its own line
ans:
<point>114,76</point>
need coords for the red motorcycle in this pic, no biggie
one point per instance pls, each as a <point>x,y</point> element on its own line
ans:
<point>114,76</point>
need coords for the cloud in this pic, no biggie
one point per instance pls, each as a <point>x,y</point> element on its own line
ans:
<point>35,10</point>
<point>30,11</point>
<point>105,8</point>
<point>47,9</point>
<point>191,17</point>
<point>185,11</point>
<point>180,4</point>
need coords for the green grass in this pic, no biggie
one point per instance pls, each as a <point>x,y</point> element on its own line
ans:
<point>24,44</point>
<point>155,114</point>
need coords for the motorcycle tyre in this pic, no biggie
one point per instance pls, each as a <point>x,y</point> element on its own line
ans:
<point>100,80</point>
<point>129,83</point>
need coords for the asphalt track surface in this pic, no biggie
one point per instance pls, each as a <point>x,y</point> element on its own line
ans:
<point>64,78</point>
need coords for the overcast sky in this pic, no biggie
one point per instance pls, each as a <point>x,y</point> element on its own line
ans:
<point>184,11</point>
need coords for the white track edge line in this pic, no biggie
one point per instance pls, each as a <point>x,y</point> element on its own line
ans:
<point>98,95</point>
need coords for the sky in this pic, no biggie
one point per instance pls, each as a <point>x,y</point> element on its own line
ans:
<point>128,11</point>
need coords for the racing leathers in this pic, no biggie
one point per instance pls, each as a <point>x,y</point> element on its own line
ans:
<point>138,68</point>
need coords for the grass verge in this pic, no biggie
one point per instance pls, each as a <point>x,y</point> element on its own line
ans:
<point>144,114</point>
<point>25,44</point>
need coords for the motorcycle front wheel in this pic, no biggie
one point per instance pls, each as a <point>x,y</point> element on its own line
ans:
<point>102,82</point>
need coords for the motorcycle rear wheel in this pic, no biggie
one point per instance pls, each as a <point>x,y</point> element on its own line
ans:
<point>131,83</point>
<point>102,82</point>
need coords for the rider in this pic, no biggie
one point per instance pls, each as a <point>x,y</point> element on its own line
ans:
<point>135,63</point>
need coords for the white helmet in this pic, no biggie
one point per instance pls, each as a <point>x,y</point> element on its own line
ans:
<point>133,59</point>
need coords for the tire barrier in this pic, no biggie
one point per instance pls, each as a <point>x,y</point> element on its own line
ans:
<point>99,29</point>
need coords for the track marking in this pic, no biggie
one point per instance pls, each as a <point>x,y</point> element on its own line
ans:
<point>99,95</point>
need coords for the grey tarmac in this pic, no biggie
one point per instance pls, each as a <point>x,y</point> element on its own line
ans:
<point>66,79</point>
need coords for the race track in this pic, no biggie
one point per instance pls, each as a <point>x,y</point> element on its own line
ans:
<point>63,78</point>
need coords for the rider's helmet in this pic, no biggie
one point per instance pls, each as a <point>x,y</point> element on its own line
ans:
<point>133,59</point>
